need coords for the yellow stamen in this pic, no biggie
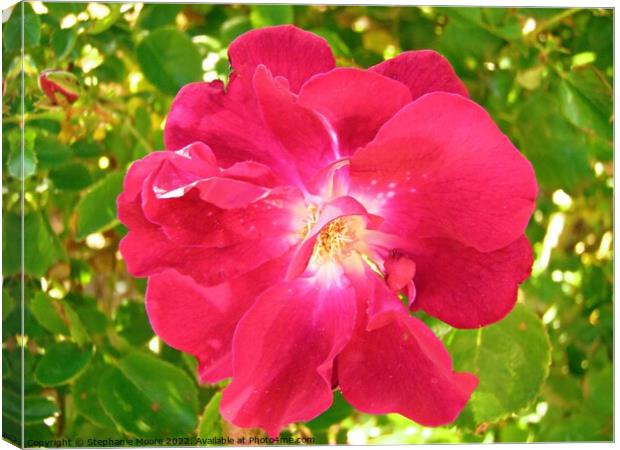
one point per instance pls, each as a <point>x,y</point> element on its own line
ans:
<point>334,238</point>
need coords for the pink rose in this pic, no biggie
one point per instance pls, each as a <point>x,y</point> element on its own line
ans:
<point>299,202</point>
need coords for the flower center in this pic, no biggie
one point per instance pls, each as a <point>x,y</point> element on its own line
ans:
<point>338,239</point>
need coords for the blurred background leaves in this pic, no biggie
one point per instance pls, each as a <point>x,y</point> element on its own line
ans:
<point>92,366</point>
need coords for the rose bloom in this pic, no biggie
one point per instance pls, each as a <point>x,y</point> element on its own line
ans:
<point>301,214</point>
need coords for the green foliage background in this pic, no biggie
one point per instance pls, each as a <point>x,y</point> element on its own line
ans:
<point>93,368</point>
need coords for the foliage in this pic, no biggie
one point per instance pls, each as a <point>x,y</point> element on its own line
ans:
<point>92,366</point>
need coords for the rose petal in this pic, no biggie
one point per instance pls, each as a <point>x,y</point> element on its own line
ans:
<point>230,122</point>
<point>354,102</point>
<point>138,172</point>
<point>469,289</point>
<point>218,211</point>
<point>201,320</point>
<point>147,251</point>
<point>145,248</point>
<point>184,222</point>
<point>442,168</point>
<point>380,303</point>
<point>284,349</point>
<point>285,50</point>
<point>402,367</point>
<point>302,134</point>
<point>205,112</point>
<point>422,71</point>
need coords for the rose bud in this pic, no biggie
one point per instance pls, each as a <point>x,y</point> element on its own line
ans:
<point>59,86</point>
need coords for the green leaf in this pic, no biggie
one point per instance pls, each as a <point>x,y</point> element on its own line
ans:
<point>511,360</point>
<point>22,367</point>
<point>36,408</point>
<point>47,313</point>
<point>83,426</point>
<point>465,41</point>
<point>86,148</point>
<point>132,323</point>
<point>268,15</point>
<point>578,427</point>
<point>14,163</point>
<point>549,142</point>
<point>586,100</point>
<point>97,26</point>
<point>600,389</point>
<point>13,28</point>
<point>97,209</point>
<point>210,425</point>
<point>233,27</point>
<point>8,303</point>
<point>169,59</point>
<point>112,69</point>
<point>41,246</point>
<point>143,122</point>
<point>339,411</point>
<point>339,47</point>
<point>74,176</point>
<point>50,152</point>
<point>60,10</point>
<point>78,332</point>
<point>11,247</point>
<point>6,367</point>
<point>155,16</point>
<point>86,394</point>
<point>147,397</point>
<point>62,362</point>
<point>63,41</point>
<point>94,321</point>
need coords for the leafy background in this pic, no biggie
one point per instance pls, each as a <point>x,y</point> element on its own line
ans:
<point>92,366</point>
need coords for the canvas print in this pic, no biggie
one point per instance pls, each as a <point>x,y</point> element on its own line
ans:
<point>253,224</point>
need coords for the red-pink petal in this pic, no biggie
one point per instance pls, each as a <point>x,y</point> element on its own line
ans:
<point>381,304</point>
<point>201,320</point>
<point>183,213</point>
<point>399,270</point>
<point>145,248</point>
<point>355,103</point>
<point>138,172</point>
<point>284,349</point>
<point>286,51</point>
<point>218,210</point>
<point>422,71</point>
<point>442,168</point>
<point>205,112</point>
<point>147,251</point>
<point>229,121</point>
<point>466,288</point>
<point>191,163</point>
<point>298,129</point>
<point>402,367</point>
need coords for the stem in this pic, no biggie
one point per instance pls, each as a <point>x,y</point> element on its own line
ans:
<point>52,115</point>
<point>547,24</point>
<point>139,137</point>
